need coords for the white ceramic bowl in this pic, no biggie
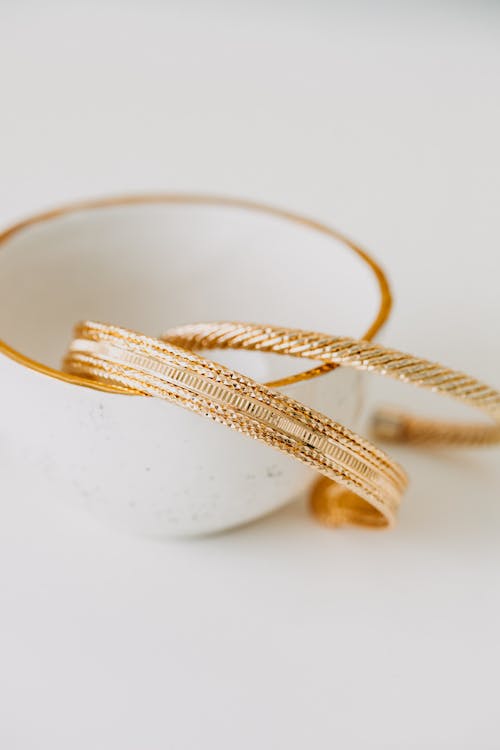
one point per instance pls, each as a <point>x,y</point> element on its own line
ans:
<point>149,263</point>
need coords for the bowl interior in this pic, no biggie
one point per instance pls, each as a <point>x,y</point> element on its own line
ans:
<point>149,266</point>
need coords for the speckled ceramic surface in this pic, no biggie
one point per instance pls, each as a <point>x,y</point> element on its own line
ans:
<point>148,466</point>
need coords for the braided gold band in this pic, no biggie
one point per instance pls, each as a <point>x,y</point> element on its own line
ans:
<point>151,367</point>
<point>364,355</point>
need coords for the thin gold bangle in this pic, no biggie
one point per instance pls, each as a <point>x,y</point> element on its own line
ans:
<point>385,298</point>
<point>150,367</point>
<point>363,355</point>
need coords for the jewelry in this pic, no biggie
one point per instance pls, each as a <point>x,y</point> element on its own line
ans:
<point>151,367</point>
<point>363,355</point>
<point>383,309</point>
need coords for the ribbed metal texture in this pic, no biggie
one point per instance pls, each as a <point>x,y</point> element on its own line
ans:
<point>370,357</point>
<point>154,368</point>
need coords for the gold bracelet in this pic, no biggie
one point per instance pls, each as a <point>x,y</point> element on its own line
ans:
<point>364,355</point>
<point>146,366</point>
<point>383,307</point>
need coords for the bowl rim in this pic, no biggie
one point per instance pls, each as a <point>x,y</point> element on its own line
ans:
<point>385,296</point>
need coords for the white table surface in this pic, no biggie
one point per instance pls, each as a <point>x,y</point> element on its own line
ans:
<point>383,120</point>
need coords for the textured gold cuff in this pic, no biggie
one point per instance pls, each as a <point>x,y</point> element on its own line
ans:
<point>364,355</point>
<point>371,484</point>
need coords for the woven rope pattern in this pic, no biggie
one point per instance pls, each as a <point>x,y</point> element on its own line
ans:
<point>367,356</point>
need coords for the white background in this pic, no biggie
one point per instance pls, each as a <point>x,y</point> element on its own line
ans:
<point>384,121</point>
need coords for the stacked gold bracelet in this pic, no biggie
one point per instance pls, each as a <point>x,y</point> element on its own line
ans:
<point>360,484</point>
<point>142,365</point>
